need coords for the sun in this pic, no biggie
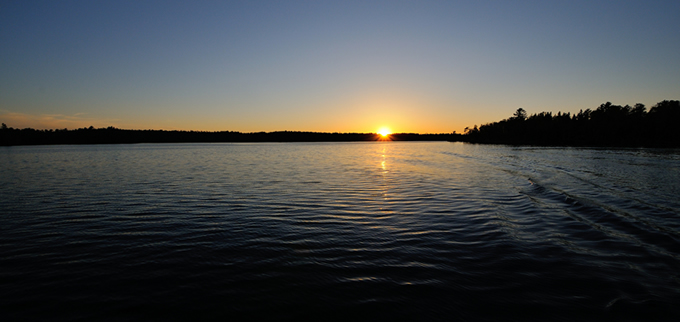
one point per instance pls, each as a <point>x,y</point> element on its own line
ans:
<point>384,132</point>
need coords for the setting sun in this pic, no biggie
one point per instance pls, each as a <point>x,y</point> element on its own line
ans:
<point>384,132</point>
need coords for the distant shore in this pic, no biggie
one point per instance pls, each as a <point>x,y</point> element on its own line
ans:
<point>608,125</point>
<point>10,136</point>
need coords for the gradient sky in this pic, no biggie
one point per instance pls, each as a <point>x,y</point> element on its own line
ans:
<point>329,66</point>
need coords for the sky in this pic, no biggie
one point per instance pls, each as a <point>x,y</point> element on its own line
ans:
<point>328,66</point>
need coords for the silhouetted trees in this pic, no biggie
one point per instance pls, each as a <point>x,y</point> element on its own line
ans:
<point>109,135</point>
<point>607,125</point>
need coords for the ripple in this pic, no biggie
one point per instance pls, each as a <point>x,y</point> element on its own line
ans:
<point>430,231</point>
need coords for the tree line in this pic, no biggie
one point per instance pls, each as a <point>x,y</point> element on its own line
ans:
<point>112,135</point>
<point>607,125</point>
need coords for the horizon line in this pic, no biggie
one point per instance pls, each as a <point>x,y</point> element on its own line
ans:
<point>221,131</point>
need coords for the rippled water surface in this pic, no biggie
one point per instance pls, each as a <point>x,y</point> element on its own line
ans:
<point>394,230</point>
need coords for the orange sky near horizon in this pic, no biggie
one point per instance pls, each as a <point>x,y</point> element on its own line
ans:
<point>361,114</point>
<point>395,123</point>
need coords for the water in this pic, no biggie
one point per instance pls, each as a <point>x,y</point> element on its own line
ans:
<point>393,230</point>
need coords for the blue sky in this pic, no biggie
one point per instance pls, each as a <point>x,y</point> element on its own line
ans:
<point>331,66</point>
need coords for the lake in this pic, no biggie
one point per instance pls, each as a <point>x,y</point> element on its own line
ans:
<point>347,231</point>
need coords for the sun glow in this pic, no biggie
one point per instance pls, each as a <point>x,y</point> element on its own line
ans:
<point>384,132</point>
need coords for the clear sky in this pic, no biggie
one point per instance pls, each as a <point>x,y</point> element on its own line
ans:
<point>328,66</point>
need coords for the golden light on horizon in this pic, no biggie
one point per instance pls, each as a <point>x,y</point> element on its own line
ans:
<point>384,132</point>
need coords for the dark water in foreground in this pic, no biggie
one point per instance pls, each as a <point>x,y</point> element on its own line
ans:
<point>413,231</point>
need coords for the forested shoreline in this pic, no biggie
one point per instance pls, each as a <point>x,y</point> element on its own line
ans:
<point>111,135</point>
<point>608,125</point>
